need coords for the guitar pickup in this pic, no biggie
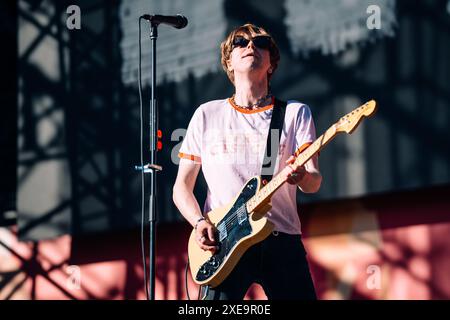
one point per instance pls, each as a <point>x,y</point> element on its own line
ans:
<point>222,229</point>
<point>242,214</point>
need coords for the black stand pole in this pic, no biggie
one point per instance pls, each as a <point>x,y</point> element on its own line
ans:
<point>152,167</point>
<point>178,22</point>
<point>153,171</point>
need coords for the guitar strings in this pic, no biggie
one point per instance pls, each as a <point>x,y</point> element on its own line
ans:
<point>230,220</point>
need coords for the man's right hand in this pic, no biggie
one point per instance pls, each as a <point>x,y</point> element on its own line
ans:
<point>205,236</point>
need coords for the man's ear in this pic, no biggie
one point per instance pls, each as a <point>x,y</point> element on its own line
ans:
<point>230,68</point>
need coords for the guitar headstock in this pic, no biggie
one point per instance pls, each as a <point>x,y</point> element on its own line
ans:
<point>350,121</point>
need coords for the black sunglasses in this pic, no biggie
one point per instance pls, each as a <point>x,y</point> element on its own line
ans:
<point>261,42</point>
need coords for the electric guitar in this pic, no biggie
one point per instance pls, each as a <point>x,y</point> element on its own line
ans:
<point>241,223</point>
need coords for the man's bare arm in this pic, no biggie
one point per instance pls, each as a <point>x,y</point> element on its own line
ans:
<point>183,191</point>
<point>184,199</point>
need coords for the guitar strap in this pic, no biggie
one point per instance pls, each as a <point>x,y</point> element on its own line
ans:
<point>279,110</point>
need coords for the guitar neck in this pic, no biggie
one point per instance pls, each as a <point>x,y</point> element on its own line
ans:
<point>266,192</point>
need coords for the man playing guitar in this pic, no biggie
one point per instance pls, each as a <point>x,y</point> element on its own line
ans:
<point>226,139</point>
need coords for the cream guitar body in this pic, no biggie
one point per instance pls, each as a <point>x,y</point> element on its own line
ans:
<point>237,230</point>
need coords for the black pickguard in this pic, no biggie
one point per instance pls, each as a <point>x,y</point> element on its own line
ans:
<point>236,231</point>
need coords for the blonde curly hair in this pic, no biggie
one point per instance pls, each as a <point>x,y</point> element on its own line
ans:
<point>249,30</point>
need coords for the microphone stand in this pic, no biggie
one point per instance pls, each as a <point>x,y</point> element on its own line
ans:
<point>152,167</point>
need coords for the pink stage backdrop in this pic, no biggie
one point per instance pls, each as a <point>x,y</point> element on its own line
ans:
<point>383,247</point>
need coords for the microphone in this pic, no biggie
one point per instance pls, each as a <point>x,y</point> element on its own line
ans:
<point>177,21</point>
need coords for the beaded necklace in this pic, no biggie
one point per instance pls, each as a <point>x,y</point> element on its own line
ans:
<point>258,104</point>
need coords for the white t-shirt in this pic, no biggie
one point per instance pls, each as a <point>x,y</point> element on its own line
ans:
<point>229,142</point>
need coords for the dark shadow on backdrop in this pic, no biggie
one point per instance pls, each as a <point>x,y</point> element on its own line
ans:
<point>102,115</point>
<point>8,119</point>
